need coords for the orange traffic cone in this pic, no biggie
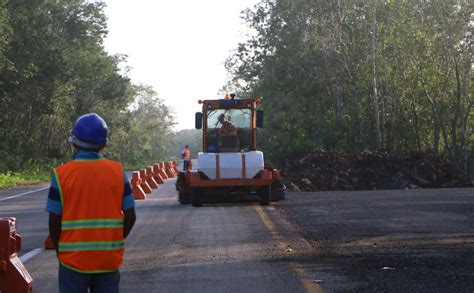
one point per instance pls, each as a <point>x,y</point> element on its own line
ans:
<point>173,169</point>
<point>146,187</point>
<point>175,166</point>
<point>13,275</point>
<point>149,178</point>
<point>156,174</point>
<point>137,190</point>
<point>163,173</point>
<point>169,170</point>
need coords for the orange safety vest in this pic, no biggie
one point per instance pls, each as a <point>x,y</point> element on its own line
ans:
<point>187,155</point>
<point>91,238</point>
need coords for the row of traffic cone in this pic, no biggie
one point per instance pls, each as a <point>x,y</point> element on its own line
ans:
<point>147,179</point>
<point>143,182</point>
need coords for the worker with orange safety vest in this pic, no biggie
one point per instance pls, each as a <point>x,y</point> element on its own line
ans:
<point>91,211</point>
<point>186,156</point>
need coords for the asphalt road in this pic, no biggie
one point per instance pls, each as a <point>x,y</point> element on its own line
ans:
<point>27,206</point>
<point>387,241</point>
<point>374,241</point>
<point>175,248</point>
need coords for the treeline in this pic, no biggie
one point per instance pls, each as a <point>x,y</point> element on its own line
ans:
<point>190,137</point>
<point>54,68</point>
<point>358,74</point>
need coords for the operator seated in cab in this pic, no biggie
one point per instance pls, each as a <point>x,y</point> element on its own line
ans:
<point>228,137</point>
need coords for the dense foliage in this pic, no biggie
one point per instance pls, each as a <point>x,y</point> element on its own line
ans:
<point>190,137</point>
<point>358,74</point>
<point>53,68</point>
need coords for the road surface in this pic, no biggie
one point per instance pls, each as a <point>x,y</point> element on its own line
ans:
<point>387,241</point>
<point>176,248</point>
<point>373,241</point>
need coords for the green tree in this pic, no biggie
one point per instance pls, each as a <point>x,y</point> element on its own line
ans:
<point>53,68</point>
<point>144,136</point>
<point>190,137</point>
<point>334,74</point>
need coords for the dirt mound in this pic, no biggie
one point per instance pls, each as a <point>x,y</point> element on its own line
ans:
<point>367,170</point>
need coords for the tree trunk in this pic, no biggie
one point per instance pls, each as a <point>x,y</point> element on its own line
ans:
<point>338,108</point>
<point>417,128</point>
<point>436,136</point>
<point>457,153</point>
<point>374,78</point>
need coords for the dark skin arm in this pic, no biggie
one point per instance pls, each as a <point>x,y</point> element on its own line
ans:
<point>55,229</point>
<point>129,219</point>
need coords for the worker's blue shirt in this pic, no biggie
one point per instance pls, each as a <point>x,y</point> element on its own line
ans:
<point>53,204</point>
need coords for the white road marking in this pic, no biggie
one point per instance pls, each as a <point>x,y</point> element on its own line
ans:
<point>27,256</point>
<point>24,193</point>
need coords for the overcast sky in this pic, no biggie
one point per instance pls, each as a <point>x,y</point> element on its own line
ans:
<point>178,47</point>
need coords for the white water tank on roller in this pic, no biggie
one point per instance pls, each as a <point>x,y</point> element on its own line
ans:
<point>207,164</point>
<point>231,164</point>
<point>253,163</point>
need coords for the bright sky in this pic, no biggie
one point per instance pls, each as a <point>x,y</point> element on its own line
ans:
<point>178,47</point>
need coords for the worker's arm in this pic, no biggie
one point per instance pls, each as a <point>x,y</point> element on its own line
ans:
<point>55,229</point>
<point>55,210</point>
<point>129,219</point>
<point>128,208</point>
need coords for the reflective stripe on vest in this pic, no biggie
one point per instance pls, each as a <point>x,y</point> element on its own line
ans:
<point>92,224</point>
<point>91,239</point>
<point>88,246</point>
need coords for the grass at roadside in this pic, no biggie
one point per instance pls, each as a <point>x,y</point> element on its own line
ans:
<point>34,172</point>
<point>13,179</point>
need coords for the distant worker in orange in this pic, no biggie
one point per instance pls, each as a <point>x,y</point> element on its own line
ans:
<point>91,211</point>
<point>186,156</point>
<point>228,136</point>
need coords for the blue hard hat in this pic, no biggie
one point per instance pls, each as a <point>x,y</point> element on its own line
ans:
<point>90,128</point>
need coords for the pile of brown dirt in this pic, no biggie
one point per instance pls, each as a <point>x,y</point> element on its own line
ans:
<point>367,170</point>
